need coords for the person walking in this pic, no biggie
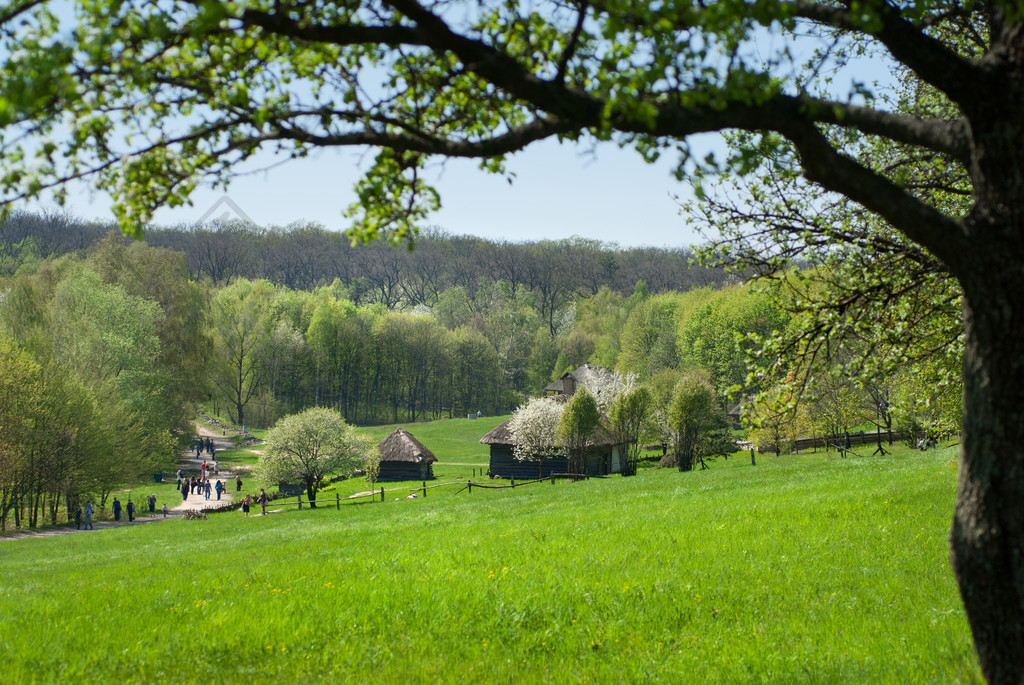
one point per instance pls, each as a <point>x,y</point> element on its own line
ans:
<point>184,490</point>
<point>263,499</point>
<point>179,479</point>
<point>246,503</point>
<point>165,509</point>
<point>117,509</point>
<point>219,487</point>
<point>206,488</point>
<point>131,510</point>
<point>78,518</point>
<point>238,483</point>
<point>88,515</point>
<point>152,505</point>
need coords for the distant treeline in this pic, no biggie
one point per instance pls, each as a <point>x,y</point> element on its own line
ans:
<point>384,333</point>
<point>295,317</point>
<point>305,256</point>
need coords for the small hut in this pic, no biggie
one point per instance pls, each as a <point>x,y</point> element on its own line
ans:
<point>403,457</point>
<point>604,456</point>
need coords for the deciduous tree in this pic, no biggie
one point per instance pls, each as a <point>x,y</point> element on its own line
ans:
<point>577,426</point>
<point>534,430</point>
<point>631,420</point>
<point>309,446</point>
<point>691,418</point>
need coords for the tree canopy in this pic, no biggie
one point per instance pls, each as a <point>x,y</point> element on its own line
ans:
<point>309,446</point>
<point>153,98</point>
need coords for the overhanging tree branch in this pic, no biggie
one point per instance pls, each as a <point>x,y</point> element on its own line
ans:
<point>933,61</point>
<point>833,170</point>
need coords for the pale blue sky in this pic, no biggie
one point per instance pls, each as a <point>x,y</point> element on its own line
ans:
<point>559,191</point>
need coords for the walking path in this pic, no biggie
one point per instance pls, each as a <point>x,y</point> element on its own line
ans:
<point>195,502</point>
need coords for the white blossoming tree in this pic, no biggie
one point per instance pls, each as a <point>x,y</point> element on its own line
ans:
<point>534,430</point>
<point>606,386</point>
<point>308,446</point>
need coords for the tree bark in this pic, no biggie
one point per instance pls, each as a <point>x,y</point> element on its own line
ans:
<point>987,538</point>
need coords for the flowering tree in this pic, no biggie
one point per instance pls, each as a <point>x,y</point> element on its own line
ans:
<point>606,386</point>
<point>534,429</point>
<point>308,446</point>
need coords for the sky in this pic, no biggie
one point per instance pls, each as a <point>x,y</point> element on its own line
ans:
<point>559,191</point>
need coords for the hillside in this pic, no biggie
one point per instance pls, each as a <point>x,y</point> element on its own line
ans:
<point>801,569</point>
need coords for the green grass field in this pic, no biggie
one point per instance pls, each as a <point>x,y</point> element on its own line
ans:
<point>451,440</point>
<point>804,568</point>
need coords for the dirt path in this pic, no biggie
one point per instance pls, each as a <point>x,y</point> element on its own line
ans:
<point>195,502</point>
<point>188,462</point>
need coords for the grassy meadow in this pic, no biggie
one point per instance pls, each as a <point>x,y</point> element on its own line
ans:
<point>803,569</point>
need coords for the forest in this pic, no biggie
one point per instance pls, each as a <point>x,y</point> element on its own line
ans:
<point>110,343</point>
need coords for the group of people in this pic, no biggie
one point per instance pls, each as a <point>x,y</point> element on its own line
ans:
<point>262,499</point>
<point>88,516</point>
<point>202,444</point>
<point>83,515</point>
<point>200,485</point>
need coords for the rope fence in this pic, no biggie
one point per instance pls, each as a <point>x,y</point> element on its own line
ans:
<point>464,486</point>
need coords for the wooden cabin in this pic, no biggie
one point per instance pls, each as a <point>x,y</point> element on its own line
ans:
<point>567,384</point>
<point>403,457</point>
<point>603,456</point>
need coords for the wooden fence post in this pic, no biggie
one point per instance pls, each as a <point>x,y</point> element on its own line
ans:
<point>471,487</point>
<point>382,493</point>
<point>513,481</point>
<point>424,489</point>
<point>337,501</point>
<point>552,479</point>
<point>300,501</point>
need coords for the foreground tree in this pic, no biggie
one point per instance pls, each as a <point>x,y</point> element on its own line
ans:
<point>630,420</point>
<point>309,446</point>
<point>691,419</point>
<point>580,419</point>
<point>489,78</point>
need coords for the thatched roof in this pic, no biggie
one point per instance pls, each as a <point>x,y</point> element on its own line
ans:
<point>501,435</point>
<point>400,445</point>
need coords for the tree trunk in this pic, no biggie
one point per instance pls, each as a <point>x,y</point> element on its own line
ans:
<point>311,493</point>
<point>987,538</point>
